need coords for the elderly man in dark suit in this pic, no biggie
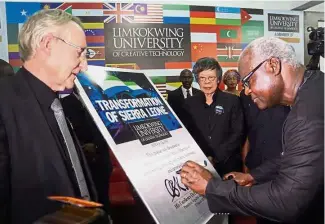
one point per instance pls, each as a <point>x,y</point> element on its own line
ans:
<point>289,189</point>
<point>39,156</point>
<point>177,97</point>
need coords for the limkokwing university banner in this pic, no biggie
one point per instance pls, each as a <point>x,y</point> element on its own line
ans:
<point>148,140</point>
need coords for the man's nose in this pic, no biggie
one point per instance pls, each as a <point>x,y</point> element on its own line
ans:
<point>247,91</point>
<point>83,64</point>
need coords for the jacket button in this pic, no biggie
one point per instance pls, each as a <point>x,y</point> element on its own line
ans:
<point>209,137</point>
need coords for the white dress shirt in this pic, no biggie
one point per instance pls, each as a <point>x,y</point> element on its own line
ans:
<point>185,92</point>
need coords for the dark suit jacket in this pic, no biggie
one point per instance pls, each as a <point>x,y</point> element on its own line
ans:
<point>218,135</point>
<point>31,165</point>
<point>176,100</point>
<point>291,188</point>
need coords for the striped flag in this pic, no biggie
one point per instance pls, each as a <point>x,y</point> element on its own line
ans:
<point>202,15</point>
<point>160,83</point>
<point>204,37</point>
<point>252,24</point>
<point>95,37</point>
<point>148,13</point>
<point>228,54</point>
<point>13,49</point>
<point>228,16</point>
<point>176,14</point>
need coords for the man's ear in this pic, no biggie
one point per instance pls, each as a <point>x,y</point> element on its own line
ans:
<point>273,66</point>
<point>46,44</point>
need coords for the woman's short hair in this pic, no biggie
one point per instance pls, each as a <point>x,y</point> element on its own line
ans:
<point>229,73</point>
<point>5,69</point>
<point>207,63</point>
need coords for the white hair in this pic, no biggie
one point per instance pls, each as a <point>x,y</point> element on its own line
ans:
<point>39,25</point>
<point>267,47</point>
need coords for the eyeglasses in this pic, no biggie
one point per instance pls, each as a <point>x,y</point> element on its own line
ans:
<point>246,79</point>
<point>210,78</point>
<point>80,50</point>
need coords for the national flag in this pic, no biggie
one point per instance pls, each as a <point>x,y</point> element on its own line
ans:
<point>19,13</point>
<point>202,15</point>
<point>252,24</point>
<point>178,65</point>
<point>248,15</point>
<point>228,16</point>
<point>160,83</point>
<point>228,54</point>
<point>95,53</point>
<point>92,19</point>
<point>162,89</point>
<point>67,7</point>
<point>200,50</point>
<point>176,14</point>
<point>94,32</point>
<point>148,13</point>
<point>204,37</point>
<point>228,34</point>
<point>118,12</point>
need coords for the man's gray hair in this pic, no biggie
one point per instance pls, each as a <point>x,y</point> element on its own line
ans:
<point>266,47</point>
<point>38,25</point>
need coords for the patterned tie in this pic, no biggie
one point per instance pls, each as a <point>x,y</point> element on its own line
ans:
<point>60,118</point>
<point>188,94</point>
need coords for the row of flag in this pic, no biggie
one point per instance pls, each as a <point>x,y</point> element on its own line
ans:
<point>207,38</point>
<point>139,13</point>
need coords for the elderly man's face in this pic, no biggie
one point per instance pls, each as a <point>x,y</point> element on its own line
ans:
<point>67,57</point>
<point>265,86</point>
<point>208,81</point>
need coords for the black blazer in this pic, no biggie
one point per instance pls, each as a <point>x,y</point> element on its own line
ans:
<point>221,137</point>
<point>31,165</point>
<point>289,189</point>
<point>176,100</point>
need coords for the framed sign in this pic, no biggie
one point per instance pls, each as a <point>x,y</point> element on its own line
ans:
<point>147,138</point>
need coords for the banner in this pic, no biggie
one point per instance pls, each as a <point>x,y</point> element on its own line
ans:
<point>138,43</point>
<point>148,140</point>
<point>3,33</point>
<point>288,26</point>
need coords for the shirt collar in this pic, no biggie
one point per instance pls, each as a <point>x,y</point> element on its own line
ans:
<point>44,94</point>
<point>185,90</point>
